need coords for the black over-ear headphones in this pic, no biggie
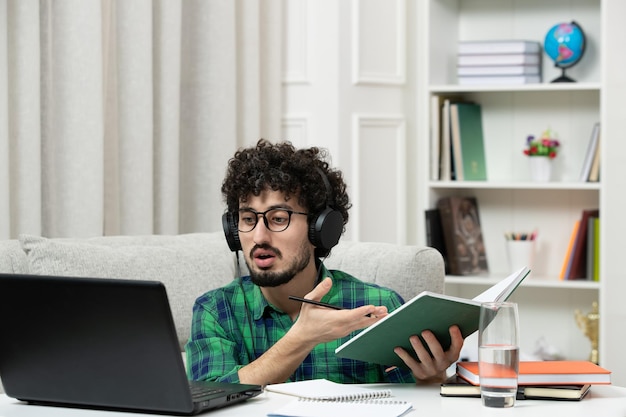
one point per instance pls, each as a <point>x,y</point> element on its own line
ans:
<point>229,224</point>
<point>324,229</point>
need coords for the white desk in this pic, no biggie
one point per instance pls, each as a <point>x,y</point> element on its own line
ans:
<point>604,400</point>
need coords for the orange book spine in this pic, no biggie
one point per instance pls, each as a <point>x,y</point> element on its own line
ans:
<point>570,247</point>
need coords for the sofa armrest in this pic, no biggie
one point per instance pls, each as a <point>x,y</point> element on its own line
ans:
<point>12,258</point>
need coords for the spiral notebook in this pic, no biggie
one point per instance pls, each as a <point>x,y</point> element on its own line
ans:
<point>303,407</point>
<point>323,389</point>
<point>322,397</point>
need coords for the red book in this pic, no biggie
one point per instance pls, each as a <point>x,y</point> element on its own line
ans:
<point>546,373</point>
<point>579,256</point>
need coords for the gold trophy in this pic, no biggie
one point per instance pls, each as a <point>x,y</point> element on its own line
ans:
<point>588,323</point>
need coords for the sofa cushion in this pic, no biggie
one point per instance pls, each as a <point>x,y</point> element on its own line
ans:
<point>407,269</point>
<point>188,265</point>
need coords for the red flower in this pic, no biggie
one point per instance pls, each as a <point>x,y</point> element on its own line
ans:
<point>543,146</point>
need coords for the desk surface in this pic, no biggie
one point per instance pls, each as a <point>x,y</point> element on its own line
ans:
<point>607,400</point>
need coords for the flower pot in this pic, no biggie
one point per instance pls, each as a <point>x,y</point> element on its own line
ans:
<point>540,168</point>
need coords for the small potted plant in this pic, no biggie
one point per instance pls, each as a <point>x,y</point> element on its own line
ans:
<point>541,152</point>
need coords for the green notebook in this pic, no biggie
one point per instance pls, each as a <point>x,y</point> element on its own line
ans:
<point>427,310</point>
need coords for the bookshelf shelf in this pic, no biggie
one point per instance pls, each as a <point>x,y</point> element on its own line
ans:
<point>538,88</point>
<point>519,185</point>
<point>530,282</point>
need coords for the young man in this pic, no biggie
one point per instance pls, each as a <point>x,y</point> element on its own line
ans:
<point>285,209</point>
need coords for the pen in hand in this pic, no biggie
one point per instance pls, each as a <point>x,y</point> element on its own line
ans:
<point>318,303</point>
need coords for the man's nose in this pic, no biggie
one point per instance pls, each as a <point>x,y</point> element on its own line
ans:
<point>261,231</point>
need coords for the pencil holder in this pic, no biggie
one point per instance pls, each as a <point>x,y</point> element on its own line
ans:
<point>520,253</point>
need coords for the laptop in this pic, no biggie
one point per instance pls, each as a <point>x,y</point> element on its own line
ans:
<point>99,343</point>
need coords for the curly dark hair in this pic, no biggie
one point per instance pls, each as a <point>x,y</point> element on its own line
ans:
<point>282,167</point>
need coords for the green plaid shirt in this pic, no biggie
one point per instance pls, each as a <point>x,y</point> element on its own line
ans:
<point>234,325</point>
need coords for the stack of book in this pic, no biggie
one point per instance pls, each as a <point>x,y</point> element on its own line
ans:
<point>540,380</point>
<point>499,62</point>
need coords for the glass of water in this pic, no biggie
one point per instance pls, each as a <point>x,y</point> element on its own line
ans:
<point>498,353</point>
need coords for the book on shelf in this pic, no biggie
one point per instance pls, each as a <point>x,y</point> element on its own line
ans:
<point>546,373</point>
<point>467,142</point>
<point>455,144</point>
<point>593,248</point>
<point>499,70</point>
<point>440,136</point>
<point>498,60</point>
<point>446,155</point>
<point>455,386</point>
<point>596,249</point>
<point>434,234</point>
<point>578,268</point>
<point>320,397</point>
<point>499,80</point>
<point>567,260</point>
<point>426,311</point>
<point>590,154</point>
<point>435,136</point>
<point>594,173</point>
<point>465,248</point>
<point>501,46</point>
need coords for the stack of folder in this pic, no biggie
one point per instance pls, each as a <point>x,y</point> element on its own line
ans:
<point>499,62</point>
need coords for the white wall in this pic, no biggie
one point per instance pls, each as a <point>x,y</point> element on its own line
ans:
<point>346,83</point>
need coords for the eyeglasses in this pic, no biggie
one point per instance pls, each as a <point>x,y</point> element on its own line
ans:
<point>276,220</point>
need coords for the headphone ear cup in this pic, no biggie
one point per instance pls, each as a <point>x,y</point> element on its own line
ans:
<point>231,232</point>
<point>325,229</point>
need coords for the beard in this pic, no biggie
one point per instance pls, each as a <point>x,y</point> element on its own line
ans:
<point>267,278</point>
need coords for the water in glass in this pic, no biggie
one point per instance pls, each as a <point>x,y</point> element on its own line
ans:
<point>498,366</point>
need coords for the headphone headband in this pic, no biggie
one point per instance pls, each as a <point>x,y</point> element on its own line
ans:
<point>329,189</point>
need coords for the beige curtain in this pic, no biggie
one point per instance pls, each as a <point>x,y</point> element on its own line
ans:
<point>118,117</point>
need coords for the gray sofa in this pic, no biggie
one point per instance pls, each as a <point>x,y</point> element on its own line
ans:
<point>191,264</point>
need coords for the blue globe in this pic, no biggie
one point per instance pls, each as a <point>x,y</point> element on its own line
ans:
<point>565,44</point>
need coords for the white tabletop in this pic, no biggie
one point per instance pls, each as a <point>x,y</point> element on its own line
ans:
<point>604,400</point>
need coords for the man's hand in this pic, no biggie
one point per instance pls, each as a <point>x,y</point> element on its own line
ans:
<point>317,324</point>
<point>432,368</point>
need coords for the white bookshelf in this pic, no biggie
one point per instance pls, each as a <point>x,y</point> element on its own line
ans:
<point>509,200</point>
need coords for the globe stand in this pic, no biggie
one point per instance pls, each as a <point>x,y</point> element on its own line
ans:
<point>563,78</point>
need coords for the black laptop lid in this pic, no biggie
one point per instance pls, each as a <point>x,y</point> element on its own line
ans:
<point>61,343</point>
